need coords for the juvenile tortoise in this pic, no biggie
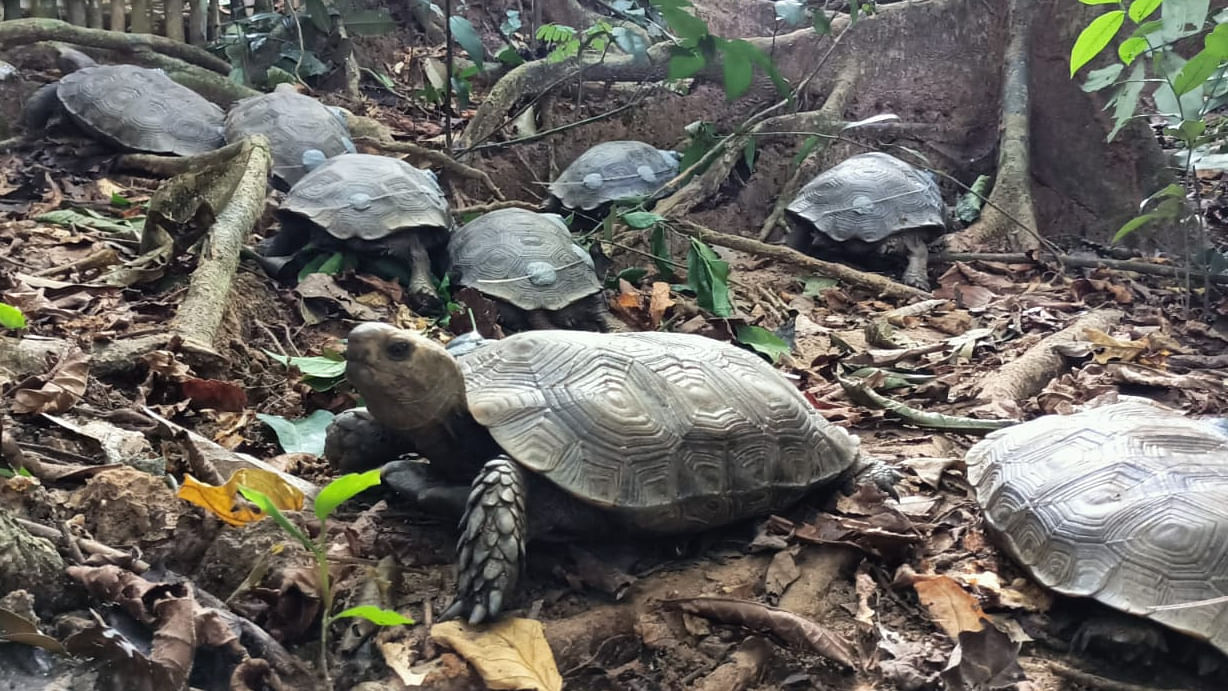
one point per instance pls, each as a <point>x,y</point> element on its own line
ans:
<point>1124,503</point>
<point>559,434</point>
<point>129,107</point>
<point>371,205</point>
<point>611,171</point>
<point>301,130</point>
<point>529,265</point>
<point>871,206</point>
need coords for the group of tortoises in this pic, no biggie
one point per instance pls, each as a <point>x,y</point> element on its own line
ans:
<point>554,433</point>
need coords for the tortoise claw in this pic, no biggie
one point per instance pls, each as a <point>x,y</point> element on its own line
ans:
<point>882,475</point>
<point>490,552</point>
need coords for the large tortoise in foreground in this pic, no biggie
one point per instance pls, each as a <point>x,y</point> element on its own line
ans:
<point>1125,503</point>
<point>556,434</point>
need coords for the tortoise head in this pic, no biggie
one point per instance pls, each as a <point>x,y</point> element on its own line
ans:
<point>408,381</point>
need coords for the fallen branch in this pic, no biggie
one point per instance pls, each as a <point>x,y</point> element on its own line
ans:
<point>18,32</point>
<point>885,286</point>
<point>435,157</point>
<point>115,556</point>
<point>797,631</point>
<point>860,392</point>
<point>1081,262</point>
<point>1027,374</point>
<point>494,206</point>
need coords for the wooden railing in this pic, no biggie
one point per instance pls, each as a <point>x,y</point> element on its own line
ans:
<point>194,21</point>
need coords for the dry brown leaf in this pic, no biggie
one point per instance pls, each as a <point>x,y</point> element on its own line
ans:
<point>781,573</point>
<point>224,501</point>
<point>950,606</point>
<point>1107,348</point>
<point>628,297</point>
<point>659,303</point>
<point>794,629</point>
<point>511,653</point>
<point>866,587</point>
<point>64,385</point>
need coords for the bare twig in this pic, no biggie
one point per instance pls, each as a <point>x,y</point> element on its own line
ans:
<point>438,158</point>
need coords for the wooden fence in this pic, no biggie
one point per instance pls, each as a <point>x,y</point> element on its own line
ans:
<point>198,21</point>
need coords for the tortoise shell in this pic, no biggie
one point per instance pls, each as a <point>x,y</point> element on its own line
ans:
<point>670,432</point>
<point>141,109</point>
<point>1125,503</point>
<point>368,197</point>
<point>294,123</point>
<point>870,197</point>
<point>614,170</point>
<point>522,257</point>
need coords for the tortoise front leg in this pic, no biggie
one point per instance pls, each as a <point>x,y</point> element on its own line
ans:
<point>422,297</point>
<point>354,442</point>
<point>490,552</point>
<point>800,237</point>
<point>918,261</point>
<point>425,489</point>
<point>606,322</point>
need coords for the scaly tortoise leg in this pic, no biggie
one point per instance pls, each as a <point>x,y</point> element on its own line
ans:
<point>918,261</point>
<point>600,315</point>
<point>490,552</point>
<point>422,297</point>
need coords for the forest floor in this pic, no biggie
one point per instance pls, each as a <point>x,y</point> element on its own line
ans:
<point>891,586</point>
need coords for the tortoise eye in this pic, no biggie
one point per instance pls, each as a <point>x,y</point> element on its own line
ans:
<point>398,350</point>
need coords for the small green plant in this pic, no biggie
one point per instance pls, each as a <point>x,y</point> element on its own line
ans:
<point>11,317</point>
<point>330,497</point>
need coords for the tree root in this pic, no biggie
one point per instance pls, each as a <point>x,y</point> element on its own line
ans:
<point>494,206</point>
<point>859,392</point>
<point>1027,374</point>
<point>885,286</point>
<point>438,158</point>
<point>31,563</point>
<point>19,32</point>
<point>745,667</point>
<point>1082,262</point>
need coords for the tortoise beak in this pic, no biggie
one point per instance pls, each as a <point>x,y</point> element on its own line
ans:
<point>364,340</point>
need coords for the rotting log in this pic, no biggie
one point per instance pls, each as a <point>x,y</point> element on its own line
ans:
<point>25,31</point>
<point>1027,374</point>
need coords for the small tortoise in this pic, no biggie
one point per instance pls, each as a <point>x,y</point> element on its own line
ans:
<point>528,263</point>
<point>130,107</point>
<point>871,205</point>
<point>371,205</point>
<point>1125,503</point>
<point>611,171</point>
<point>300,129</point>
<point>563,434</point>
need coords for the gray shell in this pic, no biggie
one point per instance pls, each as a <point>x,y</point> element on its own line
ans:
<point>368,197</point>
<point>141,109</point>
<point>293,123</point>
<point>525,258</point>
<point>670,432</point>
<point>1125,503</point>
<point>870,197</point>
<point>614,170</point>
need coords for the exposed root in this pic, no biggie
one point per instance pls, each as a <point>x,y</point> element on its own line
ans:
<point>438,158</point>
<point>745,667</point>
<point>494,206</point>
<point>18,32</point>
<point>1083,262</point>
<point>885,286</point>
<point>1027,374</point>
<point>1003,222</point>
<point>217,88</point>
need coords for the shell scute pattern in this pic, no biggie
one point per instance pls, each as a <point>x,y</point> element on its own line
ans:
<point>613,170</point>
<point>142,109</point>
<point>368,197</point>
<point>1126,503</point>
<point>293,124</point>
<point>525,258</point>
<point>669,432</point>
<point>870,197</point>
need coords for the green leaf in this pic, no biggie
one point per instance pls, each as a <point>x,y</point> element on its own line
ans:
<point>1105,76</point>
<point>319,367</point>
<point>1094,38</point>
<point>1099,2</point>
<point>631,274</point>
<point>1183,18</point>
<point>815,286</point>
<point>762,341</point>
<point>748,154</point>
<point>1142,9</point>
<point>808,147</point>
<point>72,217</point>
<point>375,615</point>
<point>375,22</point>
<point>968,208</point>
<point>708,277</point>
<point>317,12</point>
<point>642,219</point>
<point>684,63</point>
<point>854,10</point>
<point>465,35</point>
<point>685,25</point>
<point>739,70</point>
<point>822,25</point>
<point>1148,28</point>
<point>1133,225</point>
<point>304,435</point>
<point>269,508</point>
<point>791,12</point>
<point>1216,42</point>
<point>119,200</point>
<point>510,57</point>
<point>11,317</point>
<point>511,24</point>
<point>660,252</point>
<point>1195,72</point>
<point>1126,101</point>
<point>343,489</point>
<point>1190,130</point>
<point>1131,48</point>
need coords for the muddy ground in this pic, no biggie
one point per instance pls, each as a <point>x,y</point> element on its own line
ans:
<point>887,585</point>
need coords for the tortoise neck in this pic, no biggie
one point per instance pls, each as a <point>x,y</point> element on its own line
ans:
<point>456,444</point>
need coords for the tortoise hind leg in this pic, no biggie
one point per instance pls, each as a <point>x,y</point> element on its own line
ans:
<point>422,297</point>
<point>918,261</point>
<point>490,552</point>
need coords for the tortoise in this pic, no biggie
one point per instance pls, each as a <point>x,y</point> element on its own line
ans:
<point>871,206</point>
<point>376,206</point>
<point>563,434</point>
<point>129,107</point>
<point>1125,503</point>
<point>529,265</point>
<point>611,171</point>
<point>296,125</point>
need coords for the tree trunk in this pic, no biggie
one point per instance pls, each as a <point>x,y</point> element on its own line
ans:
<point>12,9</point>
<point>197,11</point>
<point>213,21</point>
<point>141,20</point>
<point>174,20</point>
<point>75,10</point>
<point>93,14</point>
<point>119,22</point>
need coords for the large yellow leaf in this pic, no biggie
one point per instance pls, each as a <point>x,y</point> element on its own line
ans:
<point>223,501</point>
<point>951,607</point>
<point>509,654</point>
